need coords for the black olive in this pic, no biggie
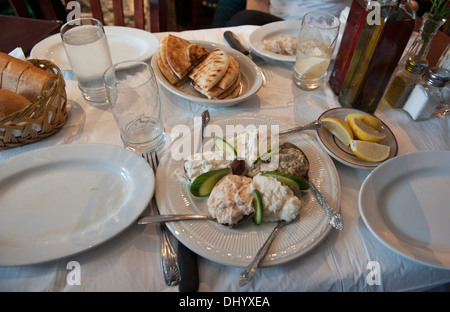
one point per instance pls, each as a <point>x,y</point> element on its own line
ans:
<point>238,166</point>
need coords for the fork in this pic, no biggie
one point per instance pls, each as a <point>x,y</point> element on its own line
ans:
<point>249,272</point>
<point>169,259</point>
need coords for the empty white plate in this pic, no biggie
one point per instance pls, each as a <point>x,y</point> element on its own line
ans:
<point>64,199</point>
<point>125,43</point>
<point>405,203</point>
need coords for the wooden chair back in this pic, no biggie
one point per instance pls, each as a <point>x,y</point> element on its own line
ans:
<point>20,9</point>
<point>158,12</point>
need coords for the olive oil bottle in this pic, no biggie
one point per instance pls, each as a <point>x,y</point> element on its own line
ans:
<point>377,53</point>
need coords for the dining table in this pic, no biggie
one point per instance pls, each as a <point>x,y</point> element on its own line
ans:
<point>351,260</point>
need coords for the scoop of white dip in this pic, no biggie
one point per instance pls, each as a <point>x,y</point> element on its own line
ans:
<point>203,162</point>
<point>231,199</point>
<point>253,143</point>
<point>279,201</point>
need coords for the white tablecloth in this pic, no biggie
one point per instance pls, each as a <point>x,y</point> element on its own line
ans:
<point>131,261</point>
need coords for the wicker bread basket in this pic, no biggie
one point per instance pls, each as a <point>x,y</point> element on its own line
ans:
<point>42,118</point>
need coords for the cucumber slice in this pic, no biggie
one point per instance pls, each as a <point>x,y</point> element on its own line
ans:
<point>266,156</point>
<point>258,205</point>
<point>224,146</point>
<point>204,183</point>
<point>288,179</point>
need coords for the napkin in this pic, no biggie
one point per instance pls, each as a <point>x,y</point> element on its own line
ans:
<point>18,53</point>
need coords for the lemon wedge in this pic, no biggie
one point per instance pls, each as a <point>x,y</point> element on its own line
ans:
<point>312,67</point>
<point>370,151</point>
<point>364,132</point>
<point>370,120</point>
<point>339,129</point>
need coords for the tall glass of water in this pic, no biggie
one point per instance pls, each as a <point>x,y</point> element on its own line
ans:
<point>132,91</point>
<point>316,42</point>
<point>88,52</point>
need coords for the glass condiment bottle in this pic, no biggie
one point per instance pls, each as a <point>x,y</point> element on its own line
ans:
<point>444,106</point>
<point>403,82</point>
<point>377,54</point>
<point>427,95</point>
<point>355,22</point>
<point>410,70</point>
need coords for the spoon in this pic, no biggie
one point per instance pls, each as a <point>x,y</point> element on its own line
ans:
<point>184,217</point>
<point>334,218</point>
<point>311,126</point>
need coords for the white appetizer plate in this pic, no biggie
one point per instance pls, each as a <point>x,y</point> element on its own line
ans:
<point>342,152</point>
<point>61,200</point>
<point>125,43</point>
<point>405,204</point>
<point>272,30</point>
<point>251,79</point>
<point>237,246</point>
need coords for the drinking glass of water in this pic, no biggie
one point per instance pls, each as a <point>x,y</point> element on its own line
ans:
<point>316,42</point>
<point>132,92</point>
<point>88,52</point>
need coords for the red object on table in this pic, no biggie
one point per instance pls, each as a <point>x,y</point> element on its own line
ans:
<point>24,32</point>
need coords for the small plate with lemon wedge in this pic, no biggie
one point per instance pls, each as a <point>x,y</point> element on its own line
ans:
<point>355,138</point>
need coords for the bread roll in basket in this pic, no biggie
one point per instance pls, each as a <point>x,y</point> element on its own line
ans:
<point>32,100</point>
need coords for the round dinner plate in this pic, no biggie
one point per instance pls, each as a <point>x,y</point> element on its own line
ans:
<point>405,203</point>
<point>237,246</point>
<point>343,153</point>
<point>272,30</point>
<point>125,43</point>
<point>64,199</point>
<point>251,78</point>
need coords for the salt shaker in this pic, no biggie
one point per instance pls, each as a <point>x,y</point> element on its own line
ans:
<point>427,95</point>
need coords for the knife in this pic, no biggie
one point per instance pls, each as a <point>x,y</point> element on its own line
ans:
<point>188,269</point>
<point>234,42</point>
<point>188,259</point>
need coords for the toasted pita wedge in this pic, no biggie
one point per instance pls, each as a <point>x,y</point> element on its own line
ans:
<point>163,65</point>
<point>233,91</point>
<point>211,70</point>
<point>218,93</point>
<point>210,94</point>
<point>183,55</point>
<point>236,92</point>
<point>230,76</point>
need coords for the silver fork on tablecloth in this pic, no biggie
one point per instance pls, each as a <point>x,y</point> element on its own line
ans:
<point>169,259</point>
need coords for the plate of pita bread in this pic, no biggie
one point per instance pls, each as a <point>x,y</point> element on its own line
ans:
<point>205,72</point>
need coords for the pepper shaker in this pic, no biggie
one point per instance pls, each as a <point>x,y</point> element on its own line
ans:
<point>404,81</point>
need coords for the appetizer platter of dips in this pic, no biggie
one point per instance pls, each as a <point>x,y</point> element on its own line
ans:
<point>216,240</point>
<point>205,72</point>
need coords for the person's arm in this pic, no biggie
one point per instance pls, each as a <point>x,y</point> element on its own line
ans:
<point>260,5</point>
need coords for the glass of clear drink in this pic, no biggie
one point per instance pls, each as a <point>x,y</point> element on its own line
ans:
<point>132,92</point>
<point>88,52</point>
<point>316,42</point>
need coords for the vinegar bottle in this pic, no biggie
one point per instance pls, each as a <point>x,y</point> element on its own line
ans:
<point>376,55</point>
<point>355,22</point>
